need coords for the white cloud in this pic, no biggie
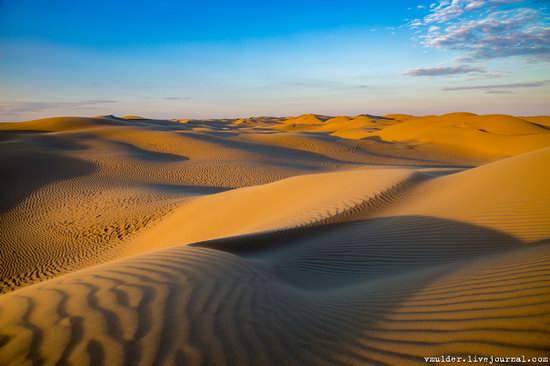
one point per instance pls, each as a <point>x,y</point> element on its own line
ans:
<point>486,29</point>
<point>444,70</point>
<point>448,10</point>
<point>515,32</point>
<point>498,87</point>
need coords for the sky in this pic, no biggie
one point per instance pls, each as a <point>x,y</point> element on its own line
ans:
<point>226,59</point>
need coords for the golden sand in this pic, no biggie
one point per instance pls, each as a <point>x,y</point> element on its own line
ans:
<point>308,240</point>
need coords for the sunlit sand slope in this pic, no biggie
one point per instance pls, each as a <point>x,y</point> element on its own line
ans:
<point>510,195</point>
<point>283,205</point>
<point>273,241</point>
<point>487,135</point>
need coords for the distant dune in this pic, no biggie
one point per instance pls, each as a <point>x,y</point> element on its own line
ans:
<point>306,240</point>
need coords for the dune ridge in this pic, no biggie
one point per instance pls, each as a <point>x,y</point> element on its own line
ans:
<point>309,240</point>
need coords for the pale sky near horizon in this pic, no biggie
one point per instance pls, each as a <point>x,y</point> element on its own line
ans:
<point>182,59</point>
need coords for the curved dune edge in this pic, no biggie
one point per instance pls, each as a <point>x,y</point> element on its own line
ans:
<point>510,195</point>
<point>303,256</point>
<point>298,202</point>
<point>287,204</point>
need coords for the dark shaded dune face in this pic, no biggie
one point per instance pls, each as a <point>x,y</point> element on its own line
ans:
<point>344,252</point>
<point>10,135</point>
<point>23,171</point>
<point>157,125</point>
<point>149,155</point>
<point>187,189</point>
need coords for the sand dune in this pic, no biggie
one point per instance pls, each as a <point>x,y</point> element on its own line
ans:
<point>510,195</point>
<point>489,135</point>
<point>309,240</point>
<point>286,204</point>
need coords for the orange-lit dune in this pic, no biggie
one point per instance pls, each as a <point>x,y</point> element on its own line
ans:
<point>489,135</point>
<point>308,240</point>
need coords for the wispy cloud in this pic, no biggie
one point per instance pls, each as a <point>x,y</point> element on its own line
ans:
<point>498,87</point>
<point>176,98</point>
<point>448,10</point>
<point>486,29</point>
<point>311,83</point>
<point>444,70</point>
<point>499,92</point>
<point>489,75</point>
<point>19,107</point>
<point>515,32</point>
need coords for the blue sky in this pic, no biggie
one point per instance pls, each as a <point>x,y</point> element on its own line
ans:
<point>191,59</point>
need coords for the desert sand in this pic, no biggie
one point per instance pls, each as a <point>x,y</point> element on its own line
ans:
<point>306,240</point>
